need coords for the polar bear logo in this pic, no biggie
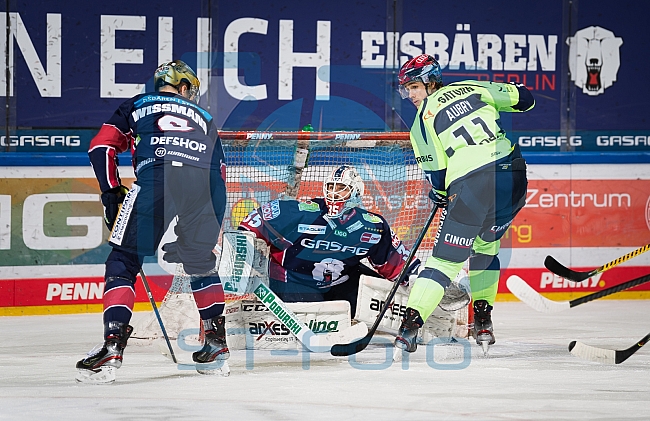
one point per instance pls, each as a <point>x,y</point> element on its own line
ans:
<point>594,59</point>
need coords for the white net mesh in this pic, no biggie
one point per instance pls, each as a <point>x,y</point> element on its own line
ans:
<point>178,312</point>
<point>267,166</point>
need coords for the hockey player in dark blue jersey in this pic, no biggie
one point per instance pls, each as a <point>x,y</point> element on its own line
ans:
<point>180,172</point>
<point>316,246</point>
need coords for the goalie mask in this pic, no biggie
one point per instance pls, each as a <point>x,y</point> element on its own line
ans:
<point>174,73</point>
<point>343,190</point>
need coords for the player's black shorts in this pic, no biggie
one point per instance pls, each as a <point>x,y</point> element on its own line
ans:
<point>482,204</point>
<point>161,192</point>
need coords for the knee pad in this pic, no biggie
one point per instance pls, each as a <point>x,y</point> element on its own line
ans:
<point>436,275</point>
<point>199,282</point>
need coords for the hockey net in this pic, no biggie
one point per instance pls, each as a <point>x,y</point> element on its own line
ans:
<point>263,166</point>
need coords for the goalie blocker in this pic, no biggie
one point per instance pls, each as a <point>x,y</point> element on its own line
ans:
<point>244,262</point>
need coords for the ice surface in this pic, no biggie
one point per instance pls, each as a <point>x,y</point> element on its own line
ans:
<point>529,375</point>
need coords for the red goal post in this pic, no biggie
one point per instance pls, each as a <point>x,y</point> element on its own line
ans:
<point>263,166</point>
<point>295,164</point>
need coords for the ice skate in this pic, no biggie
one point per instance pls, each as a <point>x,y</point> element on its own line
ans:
<point>102,361</point>
<point>483,331</point>
<point>408,332</point>
<point>211,359</point>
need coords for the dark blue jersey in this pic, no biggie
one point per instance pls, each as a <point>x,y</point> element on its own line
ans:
<point>157,127</point>
<point>311,249</point>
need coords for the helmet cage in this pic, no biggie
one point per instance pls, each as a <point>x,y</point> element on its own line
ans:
<point>343,190</point>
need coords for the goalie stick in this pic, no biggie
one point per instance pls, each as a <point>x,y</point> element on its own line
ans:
<point>343,350</point>
<point>603,355</point>
<point>577,276</point>
<point>534,299</point>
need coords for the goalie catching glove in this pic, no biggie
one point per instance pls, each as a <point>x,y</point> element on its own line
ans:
<point>112,200</point>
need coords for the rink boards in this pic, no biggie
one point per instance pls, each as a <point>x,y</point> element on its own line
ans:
<point>52,238</point>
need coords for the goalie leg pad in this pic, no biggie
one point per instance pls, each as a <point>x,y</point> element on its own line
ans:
<point>244,261</point>
<point>253,326</point>
<point>440,324</point>
<point>372,292</point>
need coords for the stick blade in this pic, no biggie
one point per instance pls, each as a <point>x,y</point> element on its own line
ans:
<point>534,299</point>
<point>592,353</point>
<point>344,350</point>
<point>563,271</point>
<point>356,331</point>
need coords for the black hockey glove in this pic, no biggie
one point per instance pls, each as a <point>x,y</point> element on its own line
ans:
<point>171,253</point>
<point>112,199</point>
<point>438,198</point>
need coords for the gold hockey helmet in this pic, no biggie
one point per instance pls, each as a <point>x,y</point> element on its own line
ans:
<point>174,73</point>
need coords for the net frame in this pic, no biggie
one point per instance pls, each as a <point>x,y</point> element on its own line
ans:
<point>263,166</point>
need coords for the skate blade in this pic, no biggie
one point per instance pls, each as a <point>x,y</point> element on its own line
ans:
<point>485,346</point>
<point>397,354</point>
<point>485,335</point>
<point>217,368</point>
<point>105,375</point>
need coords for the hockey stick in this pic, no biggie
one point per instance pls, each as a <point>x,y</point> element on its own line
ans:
<point>576,276</point>
<point>299,164</point>
<point>343,350</point>
<point>606,356</point>
<point>155,310</point>
<point>534,299</point>
<point>299,329</point>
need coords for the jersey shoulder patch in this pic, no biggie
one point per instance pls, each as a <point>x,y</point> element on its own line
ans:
<point>308,206</point>
<point>270,210</point>
<point>372,218</point>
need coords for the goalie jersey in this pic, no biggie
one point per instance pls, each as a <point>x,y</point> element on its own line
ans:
<point>309,248</point>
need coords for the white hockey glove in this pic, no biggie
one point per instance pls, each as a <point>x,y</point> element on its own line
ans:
<point>411,273</point>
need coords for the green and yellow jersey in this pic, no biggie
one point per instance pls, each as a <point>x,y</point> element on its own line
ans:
<point>456,129</point>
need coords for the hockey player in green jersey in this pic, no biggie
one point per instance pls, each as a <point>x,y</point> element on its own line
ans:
<point>478,178</point>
